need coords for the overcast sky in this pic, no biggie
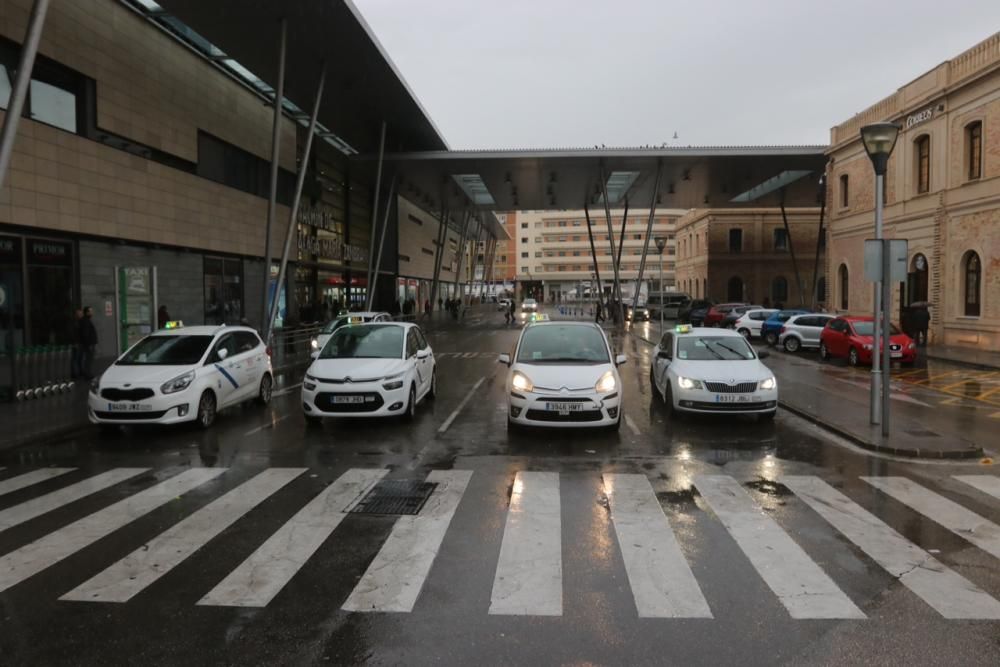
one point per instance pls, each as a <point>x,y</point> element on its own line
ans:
<point>554,73</point>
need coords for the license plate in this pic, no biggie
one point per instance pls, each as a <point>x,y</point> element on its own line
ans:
<point>347,399</point>
<point>734,398</point>
<point>129,407</point>
<point>564,408</point>
<point>895,355</point>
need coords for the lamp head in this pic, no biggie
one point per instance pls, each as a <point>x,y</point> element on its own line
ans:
<point>660,243</point>
<point>879,139</point>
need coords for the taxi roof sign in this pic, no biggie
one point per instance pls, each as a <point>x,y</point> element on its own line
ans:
<point>682,328</point>
<point>173,324</point>
<point>540,317</point>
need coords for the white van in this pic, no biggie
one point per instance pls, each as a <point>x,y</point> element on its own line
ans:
<point>668,302</point>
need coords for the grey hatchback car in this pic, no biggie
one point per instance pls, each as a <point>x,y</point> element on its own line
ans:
<point>802,331</point>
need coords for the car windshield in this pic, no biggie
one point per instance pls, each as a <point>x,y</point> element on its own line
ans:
<point>714,348</point>
<point>563,344</point>
<point>166,351</point>
<point>369,342</point>
<point>864,328</point>
<point>335,324</point>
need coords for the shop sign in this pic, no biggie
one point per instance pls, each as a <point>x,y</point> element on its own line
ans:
<point>318,218</point>
<point>331,248</point>
<point>919,117</point>
<point>10,250</point>
<point>49,253</point>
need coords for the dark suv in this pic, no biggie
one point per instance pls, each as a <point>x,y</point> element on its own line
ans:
<point>694,312</point>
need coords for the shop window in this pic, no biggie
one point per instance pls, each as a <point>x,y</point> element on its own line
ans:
<point>843,277</point>
<point>973,274</point>
<point>845,195</point>
<point>923,165</point>
<point>780,239</point>
<point>973,148</point>
<point>50,291</point>
<point>12,325</point>
<point>735,240</point>
<point>223,290</point>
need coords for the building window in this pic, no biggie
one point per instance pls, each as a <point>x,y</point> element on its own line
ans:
<point>538,239</point>
<point>973,272</point>
<point>538,253</point>
<point>780,239</point>
<point>779,290</point>
<point>845,195</point>
<point>405,258</point>
<point>524,239</point>
<point>734,291</point>
<point>923,146</point>
<point>223,290</point>
<point>844,286</point>
<point>427,251</point>
<point>538,225</point>
<point>524,255</point>
<point>974,149</point>
<point>232,166</point>
<point>524,225</point>
<point>735,240</point>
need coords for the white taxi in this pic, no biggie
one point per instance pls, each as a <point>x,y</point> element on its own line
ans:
<point>183,374</point>
<point>324,334</point>
<point>563,374</point>
<point>709,370</point>
<point>376,369</point>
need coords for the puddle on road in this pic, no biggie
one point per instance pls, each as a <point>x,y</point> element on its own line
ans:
<point>767,487</point>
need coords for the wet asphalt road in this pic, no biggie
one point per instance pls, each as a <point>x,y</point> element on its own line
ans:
<point>558,555</point>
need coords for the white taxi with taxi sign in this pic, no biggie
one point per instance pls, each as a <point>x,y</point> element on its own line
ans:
<point>709,370</point>
<point>324,334</point>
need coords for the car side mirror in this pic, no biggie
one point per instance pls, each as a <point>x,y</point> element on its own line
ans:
<point>504,359</point>
<point>423,354</point>
<point>620,359</point>
<point>221,354</point>
<point>314,355</point>
<point>663,354</point>
<point>763,354</point>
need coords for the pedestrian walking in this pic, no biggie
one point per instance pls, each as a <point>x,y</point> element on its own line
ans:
<point>427,309</point>
<point>921,323</point>
<point>598,312</point>
<point>510,312</point>
<point>76,360</point>
<point>162,317</point>
<point>88,343</point>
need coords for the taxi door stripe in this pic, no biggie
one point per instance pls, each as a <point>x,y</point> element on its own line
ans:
<point>29,478</point>
<point>32,558</point>
<point>988,484</point>
<point>129,576</point>
<point>952,595</point>
<point>228,376</point>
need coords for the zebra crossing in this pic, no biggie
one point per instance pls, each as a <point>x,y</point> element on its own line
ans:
<point>528,574</point>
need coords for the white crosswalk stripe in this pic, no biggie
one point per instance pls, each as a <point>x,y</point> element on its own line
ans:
<point>943,589</point>
<point>661,579</point>
<point>262,576</point>
<point>395,577</point>
<point>964,523</point>
<point>36,507</point>
<point>129,576</point>
<point>32,558</point>
<point>528,579</point>
<point>800,584</point>
<point>988,484</point>
<point>29,478</point>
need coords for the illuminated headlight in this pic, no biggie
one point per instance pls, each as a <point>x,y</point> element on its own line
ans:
<point>392,382</point>
<point>314,343</point>
<point>868,346</point>
<point>95,386</point>
<point>521,382</point>
<point>912,346</point>
<point>606,384</point>
<point>769,383</point>
<point>179,383</point>
<point>688,383</point>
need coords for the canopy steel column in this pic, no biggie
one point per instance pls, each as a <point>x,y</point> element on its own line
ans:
<point>442,237</point>
<point>488,246</point>
<point>299,182</point>
<point>19,91</point>
<point>375,200</point>
<point>593,254</point>
<point>475,256</point>
<point>272,197</point>
<point>819,238</point>
<point>370,301</point>
<point>621,237</point>
<point>460,251</point>
<point>611,240</point>
<point>649,233</point>
<point>791,249</point>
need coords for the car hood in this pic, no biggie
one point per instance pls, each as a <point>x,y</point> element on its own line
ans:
<point>141,376</point>
<point>897,339</point>
<point>559,376</point>
<point>356,369</point>
<point>722,371</point>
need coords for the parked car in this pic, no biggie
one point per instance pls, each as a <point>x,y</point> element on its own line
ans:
<point>802,331</point>
<point>693,312</point>
<point>771,328</point>
<point>729,321</point>
<point>749,323</point>
<point>851,338</point>
<point>668,302</point>
<point>715,314</point>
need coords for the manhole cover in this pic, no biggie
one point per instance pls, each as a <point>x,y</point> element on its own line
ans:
<point>395,496</point>
<point>921,433</point>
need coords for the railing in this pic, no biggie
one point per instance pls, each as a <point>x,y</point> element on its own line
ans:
<point>292,346</point>
<point>42,370</point>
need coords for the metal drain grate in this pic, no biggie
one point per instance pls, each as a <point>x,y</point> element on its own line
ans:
<point>395,496</point>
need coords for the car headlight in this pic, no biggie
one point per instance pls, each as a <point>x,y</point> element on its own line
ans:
<point>606,384</point>
<point>688,383</point>
<point>309,386</point>
<point>314,344</point>
<point>393,382</point>
<point>179,383</point>
<point>912,346</point>
<point>95,386</point>
<point>769,383</point>
<point>521,382</point>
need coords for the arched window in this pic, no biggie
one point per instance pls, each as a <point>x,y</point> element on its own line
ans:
<point>821,290</point>
<point>844,286</point>
<point>923,163</point>
<point>973,272</point>
<point>779,290</point>
<point>734,291</point>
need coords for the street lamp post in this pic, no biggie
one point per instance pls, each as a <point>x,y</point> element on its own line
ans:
<point>661,243</point>
<point>879,139</point>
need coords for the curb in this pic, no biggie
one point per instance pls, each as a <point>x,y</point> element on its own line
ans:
<point>961,362</point>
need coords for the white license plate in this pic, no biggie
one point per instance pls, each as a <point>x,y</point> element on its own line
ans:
<point>735,398</point>
<point>347,399</point>
<point>129,407</point>
<point>564,407</point>
<point>895,355</point>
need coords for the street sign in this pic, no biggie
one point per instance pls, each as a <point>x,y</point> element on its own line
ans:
<point>898,251</point>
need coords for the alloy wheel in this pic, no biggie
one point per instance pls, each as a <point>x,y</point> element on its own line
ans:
<point>206,409</point>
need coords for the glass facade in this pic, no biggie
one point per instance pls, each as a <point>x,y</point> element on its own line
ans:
<point>223,290</point>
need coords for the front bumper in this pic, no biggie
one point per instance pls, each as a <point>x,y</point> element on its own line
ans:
<point>375,401</point>
<point>532,409</point>
<point>906,356</point>
<point>158,409</point>
<point>708,402</point>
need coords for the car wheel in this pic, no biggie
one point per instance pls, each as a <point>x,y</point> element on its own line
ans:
<point>852,357</point>
<point>411,406</point>
<point>266,389</point>
<point>745,333</point>
<point>767,416</point>
<point>206,410</point>
<point>824,353</point>
<point>771,338</point>
<point>792,344</point>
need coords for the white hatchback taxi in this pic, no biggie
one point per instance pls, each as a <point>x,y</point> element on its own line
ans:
<point>708,370</point>
<point>563,374</point>
<point>183,374</point>
<point>370,370</point>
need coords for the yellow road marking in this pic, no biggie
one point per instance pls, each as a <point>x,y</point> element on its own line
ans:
<point>975,378</point>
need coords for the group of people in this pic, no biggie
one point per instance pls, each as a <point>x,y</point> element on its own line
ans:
<point>613,308</point>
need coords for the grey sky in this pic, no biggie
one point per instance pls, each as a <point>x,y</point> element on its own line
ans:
<point>548,73</point>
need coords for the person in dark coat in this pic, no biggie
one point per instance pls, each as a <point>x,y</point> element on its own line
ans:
<point>599,312</point>
<point>921,319</point>
<point>162,317</point>
<point>88,343</point>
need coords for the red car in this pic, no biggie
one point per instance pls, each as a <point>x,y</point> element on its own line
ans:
<point>851,338</point>
<point>715,314</point>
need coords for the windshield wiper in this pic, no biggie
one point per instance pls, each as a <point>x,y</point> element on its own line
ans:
<point>736,352</point>
<point>709,348</point>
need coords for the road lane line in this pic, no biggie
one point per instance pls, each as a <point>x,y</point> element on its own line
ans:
<point>29,478</point>
<point>946,591</point>
<point>270,424</point>
<point>129,576</point>
<point>453,415</point>
<point>528,579</point>
<point>32,558</point>
<point>800,584</point>
<point>632,426</point>
<point>661,579</point>
<point>964,523</point>
<point>470,355</point>
<point>393,580</point>
<point>286,390</point>
<point>269,569</point>
<point>18,514</point>
<point>988,484</point>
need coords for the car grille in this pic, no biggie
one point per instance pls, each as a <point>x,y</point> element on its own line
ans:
<point>113,394</point>
<point>344,381</point>
<point>324,401</point>
<point>729,407</point>
<point>553,416</point>
<point>130,416</point>
<point>723,388</point>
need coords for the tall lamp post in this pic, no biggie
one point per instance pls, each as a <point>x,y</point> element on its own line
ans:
<point>661,243</point>
<point>879,139</point>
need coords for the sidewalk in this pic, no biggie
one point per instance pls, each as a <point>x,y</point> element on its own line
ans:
<point>967,356</point>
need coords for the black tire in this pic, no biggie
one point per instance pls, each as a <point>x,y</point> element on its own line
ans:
<point>767,416</point>
<point>853,358</point>
<point>824,353</point>
<point>792,344</point>
<point>206,410</point>
<point>411,405</point>
<point>433,391</point>
<point>744,332</point>
<point>266,389</point>
<point>771,338</point>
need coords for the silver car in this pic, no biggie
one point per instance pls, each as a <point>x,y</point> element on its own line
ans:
<point>802,331</point>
